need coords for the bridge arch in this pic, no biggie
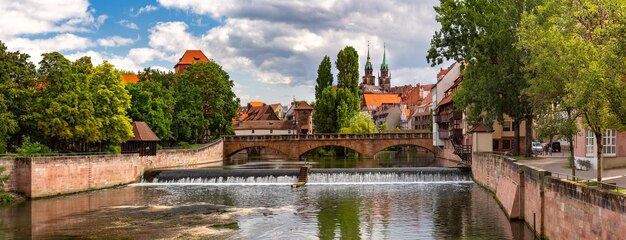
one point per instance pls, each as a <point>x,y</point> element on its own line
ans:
<point>232,149</point>
<point>253,147</point>
<point>383,146</point>
<point>305,151</point>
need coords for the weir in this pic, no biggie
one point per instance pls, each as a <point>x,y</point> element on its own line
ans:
<point>316,176</point>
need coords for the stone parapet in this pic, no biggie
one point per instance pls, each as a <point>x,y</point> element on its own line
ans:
<point>554,208</point>
<point>48,176</point>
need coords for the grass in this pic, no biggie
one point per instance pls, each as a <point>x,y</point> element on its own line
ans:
<point>618,190</point>
<point>588,183</point>
<point>521,157</point>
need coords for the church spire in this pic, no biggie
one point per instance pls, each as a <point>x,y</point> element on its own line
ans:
<point>368,64</point>
<point>384,64</point>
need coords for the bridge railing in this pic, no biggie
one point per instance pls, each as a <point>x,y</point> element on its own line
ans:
<point>327,136</point>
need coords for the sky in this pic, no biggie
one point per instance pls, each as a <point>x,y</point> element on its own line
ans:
<point>270,48</point>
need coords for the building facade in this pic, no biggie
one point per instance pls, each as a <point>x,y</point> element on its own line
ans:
<point>613,149</point>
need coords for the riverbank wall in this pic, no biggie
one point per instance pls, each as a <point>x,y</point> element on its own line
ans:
<point>49,176</point>
<point>554,208</point>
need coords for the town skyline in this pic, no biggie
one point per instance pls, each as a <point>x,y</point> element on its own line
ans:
<point>271,50</point>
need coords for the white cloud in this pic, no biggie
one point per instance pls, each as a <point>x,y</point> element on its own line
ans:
<point>282,42</point>
<point>100,20</point>
<point>96,57</point>
<point>172,37</point>
<point>60,42</point>
<point>128,24</point>
<point>142,55</point>
<point>421,75</point>
<point>42,16</point>
<point>200,6</point>
<point>146,9</point>
<point>115,41</point>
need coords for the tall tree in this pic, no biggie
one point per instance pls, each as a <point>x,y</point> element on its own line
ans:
<point>325,118</point>
<point>348,66</point>
<point>324,77</point>
<point>17,76</point>
<point>482,34</point>
<point>211,99</point>
<point>347,107</point>
<point>153,102</point>
<point>65,111</point>
<point>110,102</point>
<point>583,41</point>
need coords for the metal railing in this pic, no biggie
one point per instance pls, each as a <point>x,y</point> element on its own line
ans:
<point>328,136</point>
<point>590,182</point>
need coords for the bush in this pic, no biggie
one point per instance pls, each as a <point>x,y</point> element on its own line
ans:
<point>29,148</point>
<point>584,163</point>
<point>5,198</point>
<point>114,149</point>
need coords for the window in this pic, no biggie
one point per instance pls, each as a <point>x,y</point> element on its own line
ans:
<point>506,126</point>
<point>608,142</point>
<point>506,144</point>
<point>496,145</point>
<point>421,110</point>
<point>252,130</point>
<point>271,130</point>
<point>589,142</point>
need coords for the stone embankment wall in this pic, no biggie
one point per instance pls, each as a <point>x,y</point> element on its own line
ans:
<point>49,176</point>
<point>554,208</point>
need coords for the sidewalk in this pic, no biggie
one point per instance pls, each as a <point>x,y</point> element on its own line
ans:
<point>557,161</point>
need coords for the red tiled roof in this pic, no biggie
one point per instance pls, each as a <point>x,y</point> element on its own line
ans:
<point>192,56</point>
<point>143,132</point>
<point>263,124</point>
<point>130,78</point>
<point>373,101</point>
<point>480,128</point>
<point>428,87</point>
<point>261,113</point>
<point>444,101</point>
<point>256,104</point>
<point>428,100</point>
<point>304,106</point>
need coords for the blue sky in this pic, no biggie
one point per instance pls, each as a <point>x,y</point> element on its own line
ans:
<point>270,48</point>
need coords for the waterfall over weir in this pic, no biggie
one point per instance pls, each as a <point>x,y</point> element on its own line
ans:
<point>316,176</point>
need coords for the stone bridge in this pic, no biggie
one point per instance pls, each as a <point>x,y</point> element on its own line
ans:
<point>294,146</point>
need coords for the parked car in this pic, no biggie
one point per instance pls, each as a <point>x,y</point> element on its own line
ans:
<point>537,148</point>
<point>556,147</point>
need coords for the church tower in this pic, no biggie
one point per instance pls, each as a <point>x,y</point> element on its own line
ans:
<point>384,77</point>
<point>368,78</point>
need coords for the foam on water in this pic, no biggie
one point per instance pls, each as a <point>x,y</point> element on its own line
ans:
<point>342,178</point>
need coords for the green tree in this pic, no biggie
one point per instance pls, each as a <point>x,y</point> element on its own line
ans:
<point>483,35</point>
<point>210,100</point>
<point>153,102</point>
<point>65,109</point>
<point>360,123</point>
<point>17,76</point>
<point>582,41</point>
<point>110,101</point>
<point>348,66</point>
<point>324,77</point>
<point>347,106</point>
<point>325,118</point>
